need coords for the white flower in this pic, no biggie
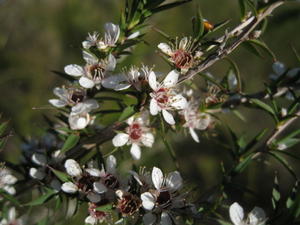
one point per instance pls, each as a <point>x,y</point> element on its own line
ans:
<point>93,72</point>
<point>111,36</point>
<point>137,134</point>
<point>256,217</point>
<point>163,199</point>
<point>95,216</point>
<point>39,159</point>
<point>69,187</point>
<point>108,176</point>
<point>73,168</point>
<point>134,77</point>
<point>180,54</point>
<point>7,180</point>
<point>37,173</point>
<point>91,40</point>
<point>11,218</point>
<point>79,117</point>
<point>164,98</point>
<point>194,119</point>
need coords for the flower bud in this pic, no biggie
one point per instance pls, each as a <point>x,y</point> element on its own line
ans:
<point>69,187</point>
<point>73,168</point>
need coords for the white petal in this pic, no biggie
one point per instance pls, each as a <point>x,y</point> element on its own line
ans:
<point>90,104</point>
<point>130,120</point>
<point>93,197</point>
<point>236,214</point>
<point>165,48</point>
<point>135,151</point>
<point>39,159</point>
<point>73,168</point>
<point>194,135</point>
<point>174,181</point>
<point>91,220</point>
<point>168,117</point>
<point>165,219</point>
<point>179,102</point>
<point>149,219</point>
<point>55,184</point>
<point>183,42</point>
<point>38,174</point>
<point>111,164</point>
<point>86,82</point>
<point>111,64</point>
<point>113,31</point>
<point>120,139</point>
<point>8,179</point>
<point>148,200</point>
<point>87,44</point>
<point>89,58</point>
<point>134,35</point>
<point>116,82</point>
<point>171,79</point>
<point>148,139</point>
<point>62,93</point>
<point>69,187</point>
<point>9,189</point>
<point>154,108</point>
<point>256,216</point>
<point>152,80</point>
<point>74,70</point>
<point>93,172</point>
<point>12,214</point>
<point>99,187</point>
<point>57,103</point>
<point>157,177</point>
<point>78,122</point>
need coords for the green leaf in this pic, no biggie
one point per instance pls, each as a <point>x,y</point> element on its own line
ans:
<point>283,162</point>
<point>61,175</point>
<point>130,100</point>
<point>3,127</point>
<point>275,193</point>
<point>254,141</point>
<point>128,112</point>
<point>242,5</point>
<point>71,142</point>
<point>243,164</point>
<point>169,6</point>
<point>8,197</point>
<point>105,208</point>
<point>264,47</point>
<point>264,106</point>
<point>43,198</point>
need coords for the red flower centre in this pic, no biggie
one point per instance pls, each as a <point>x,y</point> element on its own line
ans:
<point>182,59</point>
<point>162,96</point>
<point>135,131</point>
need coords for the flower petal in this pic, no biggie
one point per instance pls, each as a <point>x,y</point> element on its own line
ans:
<point>111,63</point>
<point>93,197</point>
<point>174,181</point>
<point>179,102</point>
<point>183,43</point>
<point>57,103</point>
<point>73,168</point>
<point>99,187</point>
<point>91,220</point>
<point>194,135</point>
<point>149,219</point>
<point>93,172</point>
<point>278,68</point>
<point>38,174</point>
<point>154,108</point>
<point>257,215</point>
<point>89,58</point>
<point>74,70</point>
<point>148,139</point>
<point>165,219</point>
<point>134,35</point>
<point>171,79</point>
<point>236,214</point>
<point>135,151</point>
<point>86,82</point>
<point>157,177</point>
<point>165,48</point>
<point>152,81</point>
<point>168,117</point>
<point>148,200</point>
<point>120,139</point>
<point>69,187</point>
<point>111,164</point>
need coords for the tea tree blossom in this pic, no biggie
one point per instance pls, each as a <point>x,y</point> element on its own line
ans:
<point>136,134</point>
<point>79,117</point>
<point>83,180</point>
<point>164,97</point>
<point>92,74</point>
<point>111,36</point>
<point>134,77</point>
<point>194,119</point>
<point>7,180</point>
<point>160,201</point>
<point>256,217</point>
<point>128,204</point>
<point>70,97</point>
<point>181,54</point>
<point>95,216</point>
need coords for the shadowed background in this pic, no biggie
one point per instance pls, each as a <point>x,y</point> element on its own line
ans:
<point>38,36</point>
